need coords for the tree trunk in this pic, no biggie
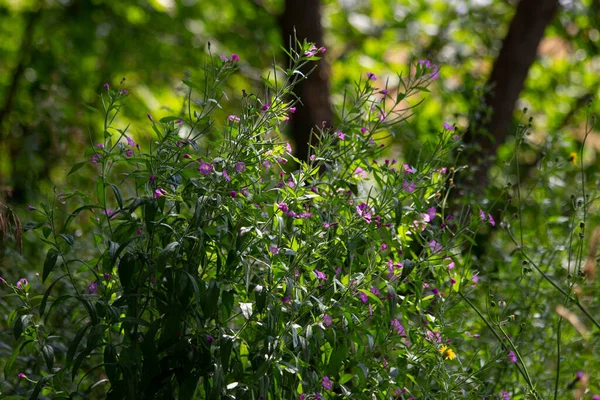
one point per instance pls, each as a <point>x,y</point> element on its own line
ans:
<point>518,53</point>
<point>304,18</point>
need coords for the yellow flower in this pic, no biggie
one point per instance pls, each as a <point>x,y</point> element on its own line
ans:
<point>447,353</point>
<point>573,158</point>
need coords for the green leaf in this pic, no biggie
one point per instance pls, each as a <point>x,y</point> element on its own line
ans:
<point>118,194</point>
<point>22,342</point>
<point>40,385</point>
<point>49,263</point>
<point>75,342</point>
<point>48,353</point>
<point>101,193</point>
<point>76,167</point>
<point>45,298</point>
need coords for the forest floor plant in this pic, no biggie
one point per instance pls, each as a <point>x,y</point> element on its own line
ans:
<point>213,271</point>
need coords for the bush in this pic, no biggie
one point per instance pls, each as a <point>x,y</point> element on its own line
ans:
<point>213,270</point>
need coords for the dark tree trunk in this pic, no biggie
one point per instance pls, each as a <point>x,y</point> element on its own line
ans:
<point>304,17</point>
<point>518,52</point>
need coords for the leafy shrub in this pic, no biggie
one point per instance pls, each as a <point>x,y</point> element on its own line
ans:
<point>214,271</point>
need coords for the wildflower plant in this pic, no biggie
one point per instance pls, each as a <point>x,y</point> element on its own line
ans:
<point>213,270</point>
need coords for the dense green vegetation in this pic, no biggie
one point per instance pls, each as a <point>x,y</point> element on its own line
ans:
<point>165,232</point>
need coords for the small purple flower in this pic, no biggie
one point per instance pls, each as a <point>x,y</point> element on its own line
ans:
<point>129,152</point>
<point>92,288</point>
<point>491,220</point>
<point>233,194</point>
<point>95,158</point>
<point>286,299</point>
<point>240,167</point>
<point>384,92</point>
<point>210,339</point>
<point>205,168</point>
<point>125,92</point>
<point>340,135</point>
<point>266,107</point>
<point>482,215</point>
<point>371,76</point>
<point>327,383</point>
<point>150,117</point>
<point>408,169</point>
<point>361,173</point>
<point>233,118</point>
<point>224,59</point>
<point>596,397</point>
<point>431,212</point>
<point>159,193</point>
<point>130,141</point>
<point>3,280</point>
<point>226,176</point>
<point>320,275</point>
<point>301,396</point>
<point>408,187</point>
<point>292,110</point>
<point>363,130</point>
<point>235,57</point>
<point>31,208</point>
<point>22,283</point>
<point>106,86</point>
<point>375,291</point>
<point>363,297</point>
<point>22,375</point>
<point>448,127</point>
<point>100,145</point>
<point>435,247</point>
<point>383,246</point>
<point>283,207</point>
<point>274,249</point>
<point>107,277</point>
<point>327,320</point>
<point>505,395</point>
<point>152,178</point>
<point>397,326</point>
<point>512,356</point>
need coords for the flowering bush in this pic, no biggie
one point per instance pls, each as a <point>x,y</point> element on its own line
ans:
<point>215,271</point>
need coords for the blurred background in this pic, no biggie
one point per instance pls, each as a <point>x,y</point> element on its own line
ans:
<point>56,55</point>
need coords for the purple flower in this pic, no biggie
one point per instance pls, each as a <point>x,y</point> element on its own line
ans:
<point>397,326</point>
<point>327,383</point>
<point>363,130</point>
<point>383,246</point>
<point>340,135</point>
<point>363,297</point>
<point>210,339</point>
<point>240,167</point>
<point>431,212</point>
<point>384,92</point>
<point>226,176</point>
<point>292,110</point>
<point>129,152</point>
<point>233,118</point>
<point>283,207</point>
<point>301,396</point>
<point>125,91</point>
<point>92,288</point>
<point>22,283</point>
<point>159,192</point>
<point>505,395</point>
<point>408,187</point>
<point>130,141</point>
<point>482,215</point>
<point>327,320</point>
<point>371,76</point>
<point>152,178</point>
<point>107,277</point>
<point>320,275</point>
<point>100,145</point>
<point>224,59</point>
<point>205,168</point>
<point>95,158</point>
<point>106,86</point>
<point>22,375</point>
<point>491,219</point>
<point>448,127</point>
<point>375,291</point>
<point>265,107</point>
<point>408,169</point>
<point>235,57</point>
<point>364,211</point>
<point>596,397</point>
<point>150,117</point>
<point>286,299</point>
<point>435,247</point>
<point>274,249</point>
<point>512,356</point>
<point>361,173</point>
